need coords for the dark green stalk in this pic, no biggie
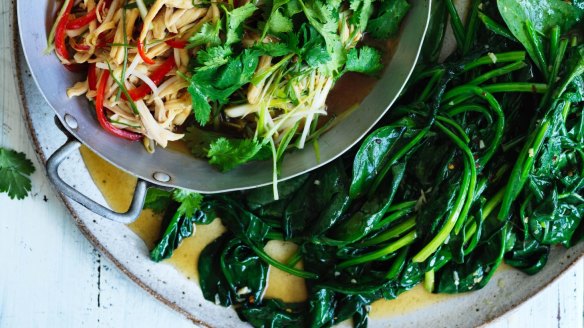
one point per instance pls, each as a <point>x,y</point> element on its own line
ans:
<point>369,257</point>
<point>465,195</point>
<point>523,166</point>
<point>456,127</point>
<point>555,35</point>
<point>538,47</point>
<point>498,72</point>
<point>496,27</point>
<point>391,233</point>
<point>471,108</point>
<point>430,86</point>
<point>398,264</point>
<point>293,271</point>
<point>471,27</point>
<point>402,152</point>
<point>456,23</point>
<point>504,57</point>
<point>295,258</point>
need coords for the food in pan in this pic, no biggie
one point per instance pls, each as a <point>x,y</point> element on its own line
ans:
<point>237,80</point>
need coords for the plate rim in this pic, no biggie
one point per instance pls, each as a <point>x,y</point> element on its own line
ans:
<point>18,74</point>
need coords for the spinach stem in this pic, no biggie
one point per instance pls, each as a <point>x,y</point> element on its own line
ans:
<point>466,192</point>
<point>391,233</point>
<point>471,27</point>
<point>398,264</point>
<point>456,24</point>
<point>535,40</point>
<point>471,108</point>
<point>429,280</point>
<point>498,72</point>
<point>271,261</point>
<point>396,245</point>
<point>504,57</point>
<point>496,27</point>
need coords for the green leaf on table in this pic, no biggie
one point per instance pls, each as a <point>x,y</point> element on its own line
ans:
<point>15,171</point>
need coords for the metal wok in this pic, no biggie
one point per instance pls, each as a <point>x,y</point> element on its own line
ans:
<point>169,168</point>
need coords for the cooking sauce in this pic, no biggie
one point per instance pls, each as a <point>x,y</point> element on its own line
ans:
<point>117,188</point>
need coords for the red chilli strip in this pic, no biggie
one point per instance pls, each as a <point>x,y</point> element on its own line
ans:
<point>76,68</point>
<point>92,77</point>
<point>100,113</point>
<point>157,76</point>
<point>177,44</point>
<point>82,21</point>
<point>60,32</point>
<point>143,54</point>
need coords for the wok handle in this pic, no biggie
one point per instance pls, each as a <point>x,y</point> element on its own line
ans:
<point>52,167</point>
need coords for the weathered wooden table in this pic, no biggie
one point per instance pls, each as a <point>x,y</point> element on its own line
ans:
<point>51,276</point>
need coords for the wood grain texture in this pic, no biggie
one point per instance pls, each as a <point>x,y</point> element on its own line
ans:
<point>50,276</point>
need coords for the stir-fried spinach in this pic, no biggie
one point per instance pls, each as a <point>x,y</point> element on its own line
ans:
<point>480,163</point>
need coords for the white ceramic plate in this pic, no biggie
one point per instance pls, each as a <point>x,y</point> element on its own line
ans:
<point>508,288</point>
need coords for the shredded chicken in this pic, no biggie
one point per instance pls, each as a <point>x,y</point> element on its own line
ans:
<point>110,42</point>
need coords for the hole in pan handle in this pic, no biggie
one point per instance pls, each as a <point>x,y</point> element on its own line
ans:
<point>52,167</point>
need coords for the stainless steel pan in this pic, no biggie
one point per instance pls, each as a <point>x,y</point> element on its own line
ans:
<point>169,168</point>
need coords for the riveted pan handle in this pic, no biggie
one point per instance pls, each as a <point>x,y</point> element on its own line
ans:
<point>53,173</point>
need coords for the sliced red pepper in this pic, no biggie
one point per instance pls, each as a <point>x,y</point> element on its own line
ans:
<point>92,77</point>
<point>157,76</point>
<point>102,119</point>
<point>76,68</point>
<point>103,41</point>
<point>79,47</point>
<point>177,44</point>
<point>60,32</point>
<point>143,54</point>
<point>82,21</point>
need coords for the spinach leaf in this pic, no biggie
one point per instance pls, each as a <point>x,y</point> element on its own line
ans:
<point>179,218</point>
<point>543,15</point>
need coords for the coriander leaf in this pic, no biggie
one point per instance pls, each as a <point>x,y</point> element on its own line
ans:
<point>199,140</point>
<point>235,19</point>
<point>157,200</point>
<point>190,202</point>
<point>362,10</point>
<point>227,154</point>
<point>207,35</point>
<point>387,22</point>
<point>324,17</point>
<point>219,83</point>
<point>279,23</point>
<point>201,106</point>
<point>364,60</point>
<point>214,56</point>
<point>316,56</point>
<point>274,49</point>
<point>15,171</point>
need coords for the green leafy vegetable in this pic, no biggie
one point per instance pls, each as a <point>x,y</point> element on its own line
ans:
<point>15,171</point>
<point>227,154</point>
<point>365,60</point>
<point>180,216</point>
<point>385,23</point>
